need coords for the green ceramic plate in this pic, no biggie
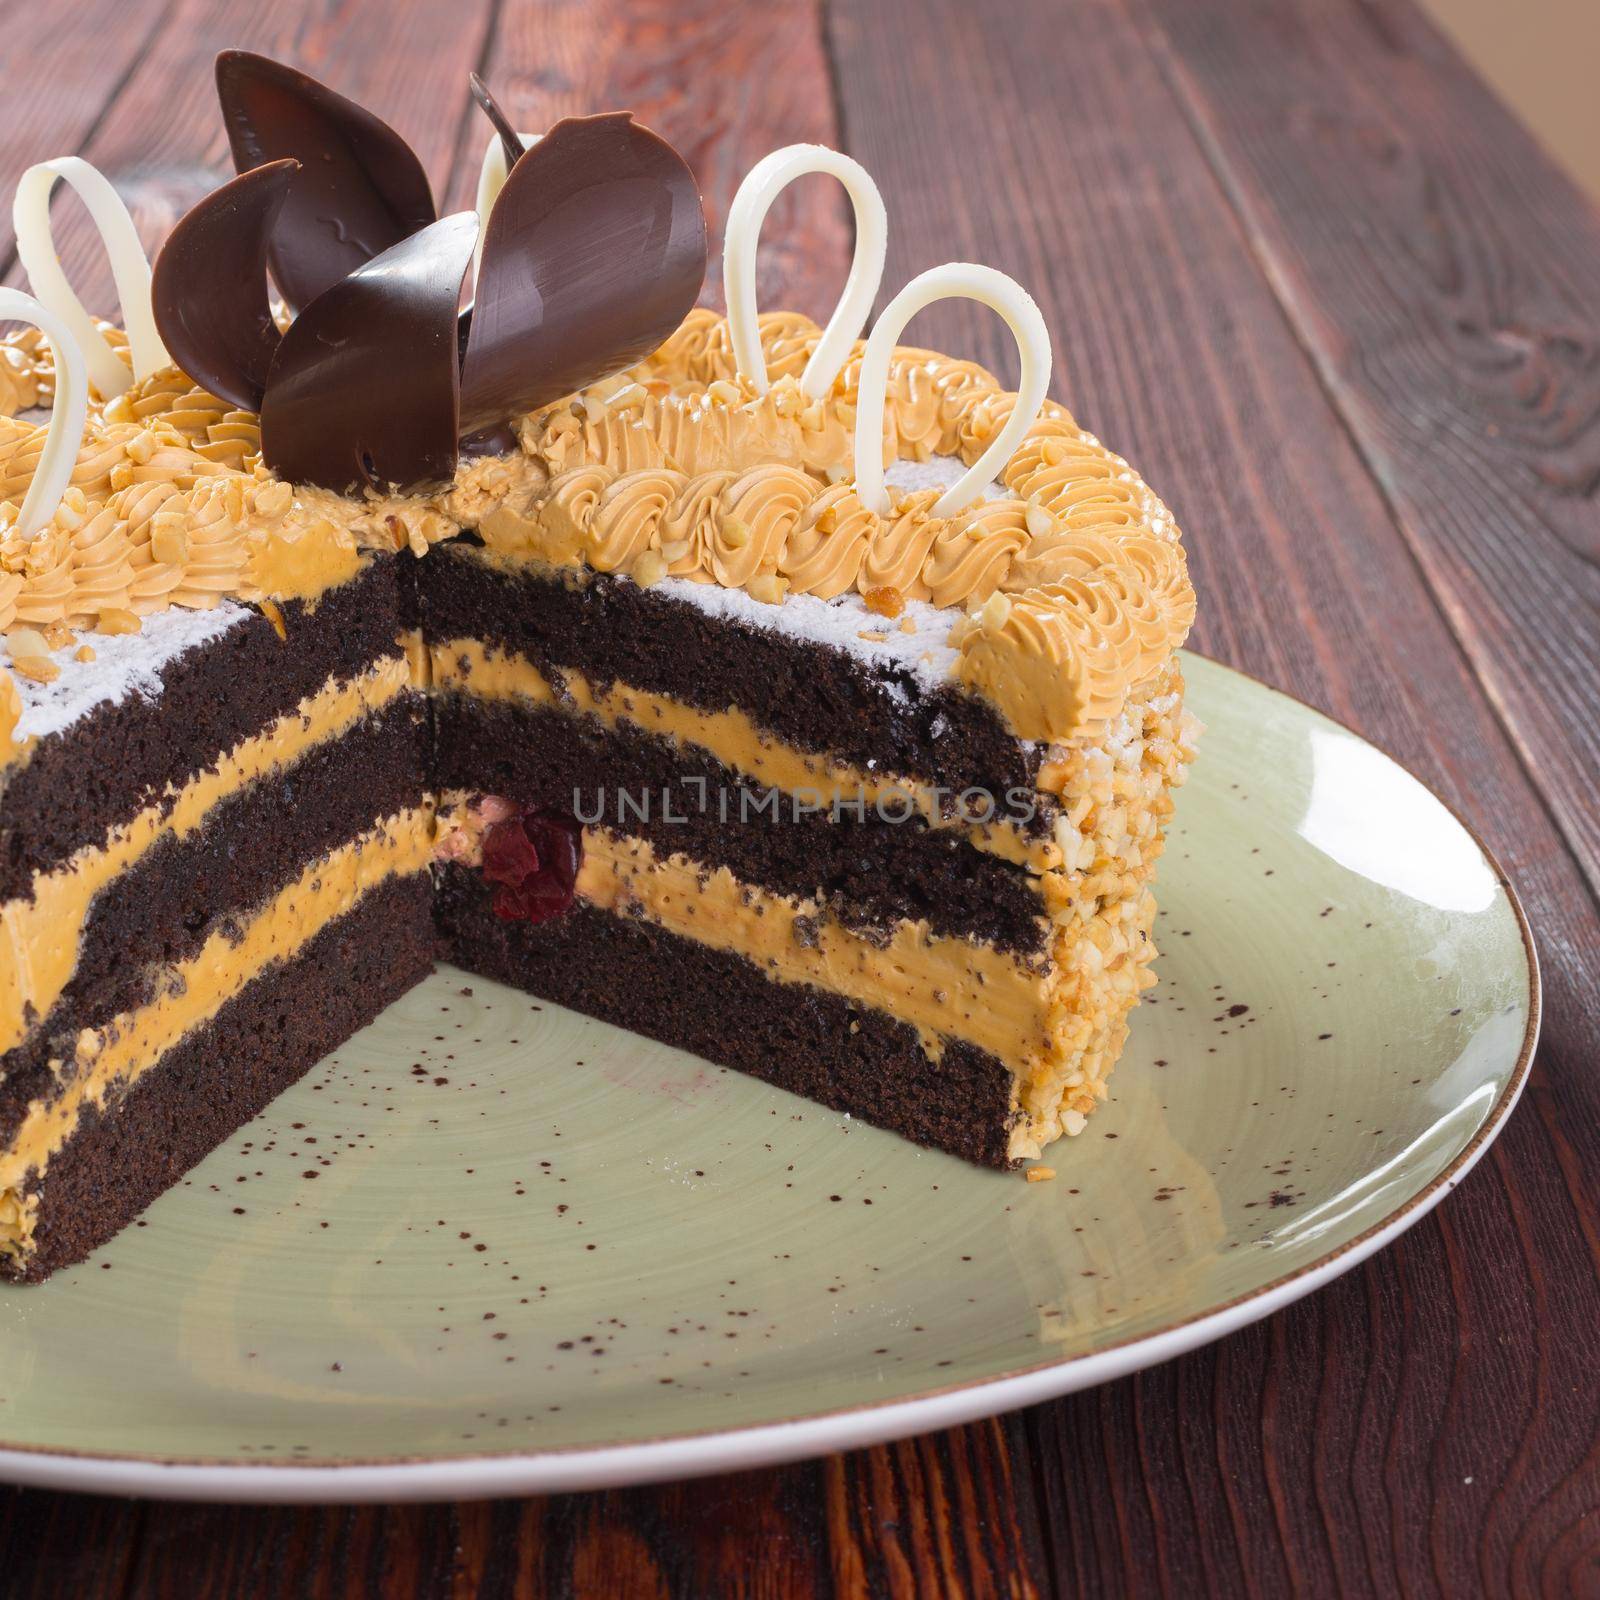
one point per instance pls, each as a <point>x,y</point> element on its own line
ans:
<point>493,1247</point>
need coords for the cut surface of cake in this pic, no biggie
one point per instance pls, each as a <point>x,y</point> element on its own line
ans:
<point>838,751</point>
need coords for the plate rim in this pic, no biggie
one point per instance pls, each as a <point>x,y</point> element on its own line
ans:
<point>567,1468</point>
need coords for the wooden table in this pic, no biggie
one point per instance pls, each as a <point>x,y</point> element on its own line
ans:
<point>1303,269</point>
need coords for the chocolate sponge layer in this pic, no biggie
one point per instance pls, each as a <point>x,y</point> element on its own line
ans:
<point>164,908</point>
<point>723,1007</point>
<point>124,1155</point>
<point>871,871</point>
<point>818,699</point>
<point>77,785</point>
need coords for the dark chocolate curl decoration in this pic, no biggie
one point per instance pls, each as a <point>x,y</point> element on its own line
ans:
<point>510,140</point>
<point>209,289</point>
<point>362,188</point>
<point>365,389</point>
<point>594,253</point>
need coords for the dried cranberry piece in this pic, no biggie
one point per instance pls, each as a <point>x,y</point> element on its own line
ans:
<point>533,858</point>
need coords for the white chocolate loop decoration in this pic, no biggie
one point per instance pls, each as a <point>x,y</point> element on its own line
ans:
<point>762,185</point>
<point>955,280</point>
<point>64,433</point>
<point>130,268</point>
<point>492,175</point>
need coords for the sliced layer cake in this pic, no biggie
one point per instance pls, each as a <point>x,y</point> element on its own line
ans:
<point>807,703</point>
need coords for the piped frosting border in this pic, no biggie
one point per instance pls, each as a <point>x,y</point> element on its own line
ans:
<point>1066,591</point>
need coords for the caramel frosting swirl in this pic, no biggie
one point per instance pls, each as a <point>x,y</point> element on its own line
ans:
<point>574,499</point>
<point>1146,618</point>
<point>900,553</point>
<point>26,379</point>
<point>214,553</point>
<point>1059,552</point>
<point>1163,566</point>
<point>824,554</point>
<point>1076,579</point>
<point>1056,660</point>
<point>731,427</point>
<point>586,430</point>
<point>686,531</point>
<point>152,517</point>
<point>210,427</point>
<point>1103,622</point>
<point>1028,656</point>
<point>759,510</point>
<point>913,414</point>
<point>27,354</point>
<point>169,398</point>
<point>699,351</point>
<point>627,519</point>
<point>20,447</point>
<point>44,564</point>
<point>974,551</point>
<point>1080,483</point>
<point>702,349</point>
<point>101,565</point>
<point>787,339</point>
<point>928,397</point>
<point>10,716</point>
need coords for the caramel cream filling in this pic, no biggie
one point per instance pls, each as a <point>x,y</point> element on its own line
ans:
<point>468,666</point>
<point>40,936</point>
<point>943,987</point>
<point>116,1056</point>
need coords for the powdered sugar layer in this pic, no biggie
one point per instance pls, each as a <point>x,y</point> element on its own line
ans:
<point>124,665</point>
<point>838,624</point>
<point>937,472</point>
<point>845,623</point>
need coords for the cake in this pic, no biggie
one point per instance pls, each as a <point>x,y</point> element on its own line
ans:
<point>807,702</point>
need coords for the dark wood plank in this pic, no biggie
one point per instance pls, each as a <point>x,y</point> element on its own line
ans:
<point>1445,276</point>
<point>924,1517</point>
<point>724,83</point>
<point>943,1514</point>
<point>1334,1446</point>
<point>195,1552</point>
<point>59,1544</point>
<point>160,137</point>
<point>59,71</point>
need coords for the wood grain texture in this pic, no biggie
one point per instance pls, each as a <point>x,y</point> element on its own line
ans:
<point>59,77</point>
<point>1445,277</point>
<point>158,133</point>
<point>1430,1425</point>
<point>723,83</point>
